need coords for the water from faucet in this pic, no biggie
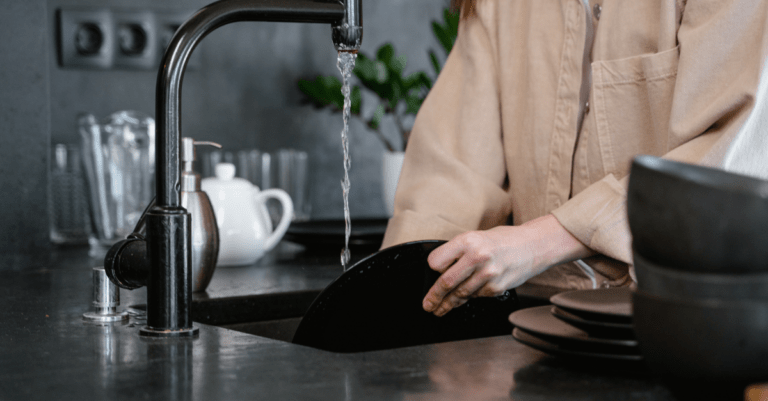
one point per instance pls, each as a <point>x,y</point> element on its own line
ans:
<point>345,64</point>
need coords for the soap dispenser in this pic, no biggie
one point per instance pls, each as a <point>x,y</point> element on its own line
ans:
<point>205,232</point>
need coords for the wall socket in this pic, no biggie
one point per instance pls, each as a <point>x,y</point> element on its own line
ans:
<point>99,38</point>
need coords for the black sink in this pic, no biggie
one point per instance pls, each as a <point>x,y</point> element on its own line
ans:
<point>273,316</point>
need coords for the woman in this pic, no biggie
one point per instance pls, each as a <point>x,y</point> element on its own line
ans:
<point>537,114</point>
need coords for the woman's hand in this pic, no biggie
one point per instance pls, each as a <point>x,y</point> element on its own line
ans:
<point>487,263</point>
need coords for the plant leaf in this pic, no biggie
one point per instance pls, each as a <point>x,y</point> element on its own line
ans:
<point>323,91</point>
<point>413,103</point>
<point>356,100</point>
<point>418,80</point>
<point>447,32</point>
<point>376,118</point>
<point>365,68</point>
<point>397,65</point>
<point>451,19</point>
<point>435,62</point>
<point>385,53</point>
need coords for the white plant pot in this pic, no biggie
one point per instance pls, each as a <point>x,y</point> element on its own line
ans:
<point>392,164</point>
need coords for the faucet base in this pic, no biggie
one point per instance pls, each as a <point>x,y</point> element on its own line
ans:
<point>105,317</point>
<point>147,331</point>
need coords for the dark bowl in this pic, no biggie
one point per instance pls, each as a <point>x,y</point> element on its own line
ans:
<point>704,341</point>
<point>697,218</point>
<point>678,284</point>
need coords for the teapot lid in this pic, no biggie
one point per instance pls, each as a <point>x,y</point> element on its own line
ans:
<point>225,171</point>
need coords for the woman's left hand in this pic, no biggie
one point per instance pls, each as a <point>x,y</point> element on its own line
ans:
<point>487,263</point>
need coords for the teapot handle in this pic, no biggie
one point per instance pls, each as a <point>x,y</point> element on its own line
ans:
<point>285,220</point>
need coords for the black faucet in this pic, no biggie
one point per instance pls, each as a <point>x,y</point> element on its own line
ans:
<point>157,254</point>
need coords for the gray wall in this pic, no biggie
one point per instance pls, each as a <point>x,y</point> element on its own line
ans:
<point>25,133</point>
<point>243,95</point>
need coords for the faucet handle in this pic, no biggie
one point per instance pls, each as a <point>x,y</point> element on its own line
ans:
<point>106,298</point>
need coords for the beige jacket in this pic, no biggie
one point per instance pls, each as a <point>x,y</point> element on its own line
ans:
<point>498,133</point>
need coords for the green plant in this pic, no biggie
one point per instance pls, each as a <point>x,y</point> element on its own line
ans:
<point>398,94</point>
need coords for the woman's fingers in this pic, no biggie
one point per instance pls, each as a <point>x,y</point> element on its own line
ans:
<point>459,296</point>
<point>445,255</point>
<point>450,302</point>
<point>474,286</point>
<point>448,281</point>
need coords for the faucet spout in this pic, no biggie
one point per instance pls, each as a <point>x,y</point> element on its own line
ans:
<point>347,34</point>
<point>168,244</point>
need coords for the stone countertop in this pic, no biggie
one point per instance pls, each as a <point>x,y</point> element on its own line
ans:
<point>49,352</point>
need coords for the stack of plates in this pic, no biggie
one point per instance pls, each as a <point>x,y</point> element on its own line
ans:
<point>584,324</point>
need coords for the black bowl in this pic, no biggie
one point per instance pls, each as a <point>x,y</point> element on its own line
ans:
<point>704,341</point>
<point>697,218</point>
<point>678,284</point>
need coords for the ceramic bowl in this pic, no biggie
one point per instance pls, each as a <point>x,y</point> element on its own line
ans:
<point>704,341</point>
<point>695,218</point>
<point>662,281</point>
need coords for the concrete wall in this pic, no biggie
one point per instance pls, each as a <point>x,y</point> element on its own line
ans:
<point>25,133</point>
<point>243,95</point>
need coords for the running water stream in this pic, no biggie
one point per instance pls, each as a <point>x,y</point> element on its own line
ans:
<point>345,64</point>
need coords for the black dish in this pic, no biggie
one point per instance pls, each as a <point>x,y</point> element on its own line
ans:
<point>376,304</point>
<point>674,283</point>
<point>539,322</point>
<point>703,340</point>
<point>558,350</point>
<point>595,328</point>
<point>329,234</point>
<point>609,305</point>
<point>695,218</point>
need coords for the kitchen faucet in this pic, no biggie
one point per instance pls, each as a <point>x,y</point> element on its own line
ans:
<point>157,254</point>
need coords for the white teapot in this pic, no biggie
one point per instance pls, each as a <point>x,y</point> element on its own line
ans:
<point>245,229</point>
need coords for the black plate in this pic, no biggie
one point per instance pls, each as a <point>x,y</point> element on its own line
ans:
<point>595,328</point>
<point>540,322</point>
<point>611,305</point>
<point>376,304</point>
<point>329,234</point>
<point>557,350</point>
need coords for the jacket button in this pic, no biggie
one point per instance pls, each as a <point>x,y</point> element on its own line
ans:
<point>597,10</point>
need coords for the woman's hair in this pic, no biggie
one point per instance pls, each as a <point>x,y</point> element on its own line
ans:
<point>467,7</point>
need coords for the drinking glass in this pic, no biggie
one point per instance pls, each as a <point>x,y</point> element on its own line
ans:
<point>119,169</point>
<point>67,206</point>
<point>292,176</point>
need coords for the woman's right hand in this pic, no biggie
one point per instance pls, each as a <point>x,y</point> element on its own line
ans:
<point>487,263</point>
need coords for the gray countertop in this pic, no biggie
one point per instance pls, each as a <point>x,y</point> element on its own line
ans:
<point>49,352</point>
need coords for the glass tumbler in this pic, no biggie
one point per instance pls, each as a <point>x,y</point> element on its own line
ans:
<point>119,171</point>
<point>67,204</point>
<point>292,175</point>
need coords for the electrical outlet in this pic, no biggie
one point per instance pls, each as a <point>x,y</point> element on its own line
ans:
<point>167,24</point>
<point>135,39</point>
<point>129,39</point>
<point>86,38</point>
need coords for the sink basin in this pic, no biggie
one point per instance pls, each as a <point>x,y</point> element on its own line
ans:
<point>274,316</point>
